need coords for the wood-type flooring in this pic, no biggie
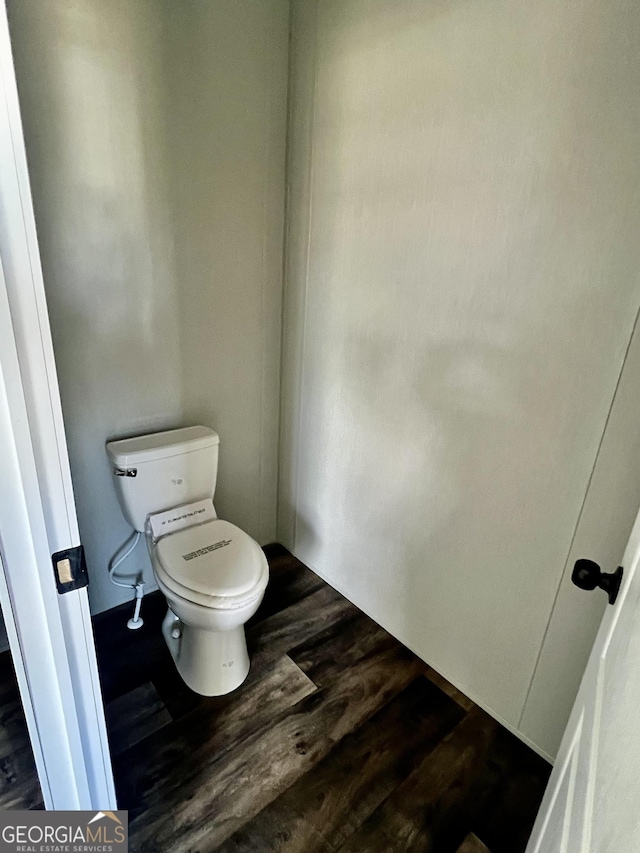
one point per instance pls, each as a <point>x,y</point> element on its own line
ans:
<point>340,740</point>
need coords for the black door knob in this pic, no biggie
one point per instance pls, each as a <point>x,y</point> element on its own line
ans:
<point>588,575</point>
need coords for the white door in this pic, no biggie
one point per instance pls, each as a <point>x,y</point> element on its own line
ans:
<point>50,634</point>
<point>592,802</point>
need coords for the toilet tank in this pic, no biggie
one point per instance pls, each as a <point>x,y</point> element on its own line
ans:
<point>152,473</point>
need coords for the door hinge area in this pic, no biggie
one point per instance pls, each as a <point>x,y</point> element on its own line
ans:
<point>70,569</point>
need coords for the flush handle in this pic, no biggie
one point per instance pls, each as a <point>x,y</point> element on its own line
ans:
<point>588,575</point>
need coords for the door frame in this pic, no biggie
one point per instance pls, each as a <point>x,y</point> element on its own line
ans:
<point>50,635</point>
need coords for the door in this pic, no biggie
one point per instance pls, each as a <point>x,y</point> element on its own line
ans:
<point>50,635</point>
<point>592,802</point>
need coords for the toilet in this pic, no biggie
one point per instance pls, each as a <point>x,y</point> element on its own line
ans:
<point>211,572</point>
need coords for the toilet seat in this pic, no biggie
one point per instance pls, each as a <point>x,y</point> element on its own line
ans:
<point>214,564</point>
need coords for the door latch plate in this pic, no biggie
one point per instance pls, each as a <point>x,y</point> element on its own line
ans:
<point>70,569</point>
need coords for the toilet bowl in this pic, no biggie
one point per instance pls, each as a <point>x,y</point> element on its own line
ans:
<point>211,572</point>
<point>213,576</point>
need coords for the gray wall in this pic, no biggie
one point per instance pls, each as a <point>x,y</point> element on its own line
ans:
<point>155,136</point>
<point>226,78</point>
<point>462,285</point>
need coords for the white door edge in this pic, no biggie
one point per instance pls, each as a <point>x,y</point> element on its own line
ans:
<point>28,596</point>
<point>42,414</point>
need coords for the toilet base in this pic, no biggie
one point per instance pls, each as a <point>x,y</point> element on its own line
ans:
<point>211,663</point>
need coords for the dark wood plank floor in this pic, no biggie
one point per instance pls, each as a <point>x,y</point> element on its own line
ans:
<point>339,740</point>
<point>19,786</point>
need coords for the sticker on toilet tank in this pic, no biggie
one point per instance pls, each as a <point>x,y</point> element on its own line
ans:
<point>180,517</point>
<point>206,550</point>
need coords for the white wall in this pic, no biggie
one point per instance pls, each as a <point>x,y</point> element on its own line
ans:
<point>152,326</point>
<point>226,77</point>
<point>462,284</point>
<point>605,524</point>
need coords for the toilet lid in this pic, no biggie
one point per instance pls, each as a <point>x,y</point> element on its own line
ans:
<point>214,559</point>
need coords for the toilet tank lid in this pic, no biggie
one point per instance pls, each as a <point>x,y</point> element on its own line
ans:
<point>158,445</point>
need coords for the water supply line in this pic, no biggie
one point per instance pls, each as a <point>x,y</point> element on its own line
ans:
<point>125,550</point>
